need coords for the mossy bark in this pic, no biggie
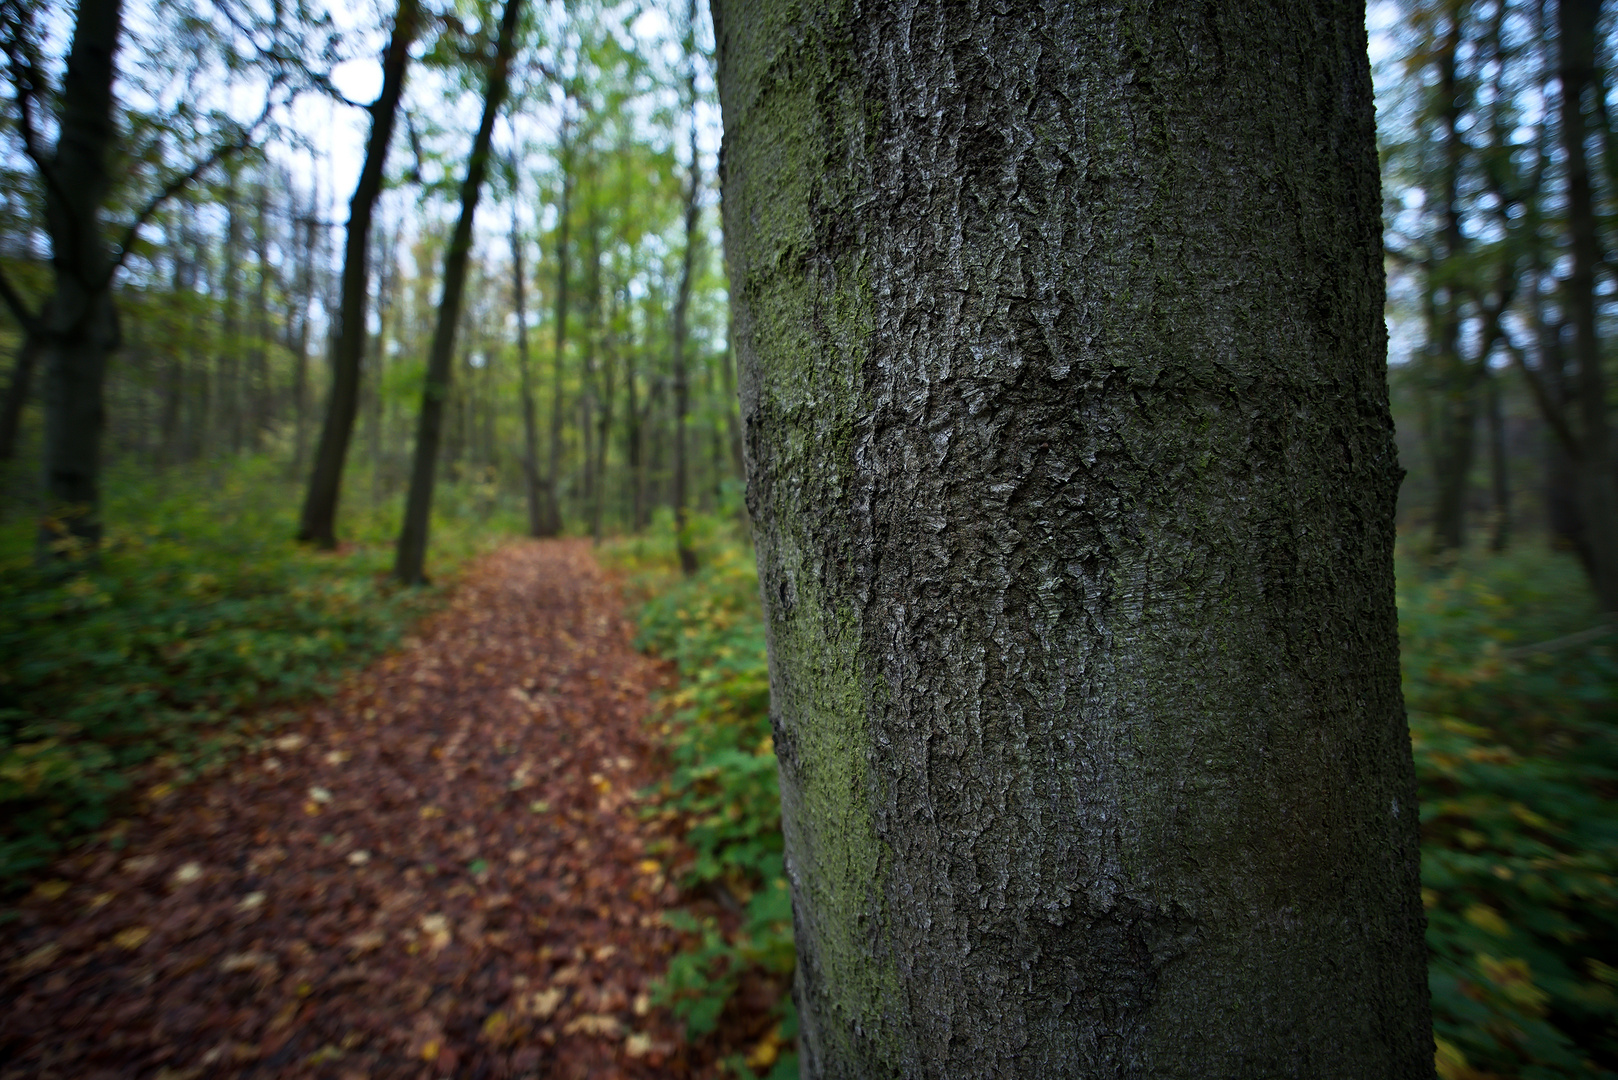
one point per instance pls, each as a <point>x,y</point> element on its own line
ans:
<point>1072,479</point>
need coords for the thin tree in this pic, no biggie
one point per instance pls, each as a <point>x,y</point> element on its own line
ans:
<point>1060,331</point>
<point>682,304</point>
<point>519,301</point>
<point>552,524</point>
<point>318,522</point>
<point>409,563</point>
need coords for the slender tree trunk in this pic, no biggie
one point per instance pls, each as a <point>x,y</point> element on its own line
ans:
<point>530,429</point>
<point>229,397</point>
<point>299,345</point>
<point>1499,477</point>
<point>409,565</point>
<point>317,523</point>
<point>606,380</point>
<point>1576,28</point>
<point>553,466</point>
<point>633,450</point>
<point>18,388</point>
<point>1072,476</point>
<point>1452,435</point>
<point>682,302</point>
<point>258,396</point>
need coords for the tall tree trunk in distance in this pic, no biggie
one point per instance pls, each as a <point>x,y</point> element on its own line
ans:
<point>1576,22</point>
<point>1499,477</point>
<point>553,465</point>
<point>1072,478</point>
<point>258,399</point>
<point>530,429</point>
<point>80,323</point>
<point>605,380</point>
<point>590,400</point>
<point>411,557</point>
<point>318,520</point>
<point>230,419</point>
<point>18,387</point>
<point>682,302</point>
<point>1453,431</point>
<point>633,450</point>
<point>299,345</point>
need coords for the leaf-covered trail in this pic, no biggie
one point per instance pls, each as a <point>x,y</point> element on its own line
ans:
<point>439,872</point>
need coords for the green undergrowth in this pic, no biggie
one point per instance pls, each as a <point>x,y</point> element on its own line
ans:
<point>723,785</point>
<point>199,624</point>
<point>1511,688</point>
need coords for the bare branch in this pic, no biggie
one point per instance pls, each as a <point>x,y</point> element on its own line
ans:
<point>1555,418</point>
<point>180,181</point>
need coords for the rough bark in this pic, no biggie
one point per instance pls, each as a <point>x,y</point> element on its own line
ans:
<point>1072,479</point>
<point>318,522</point>
<point>410,559</point>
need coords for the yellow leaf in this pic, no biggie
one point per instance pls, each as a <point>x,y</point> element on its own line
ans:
<point>311,808</point>
<point>649,867</point>
<point>132,938</point>
<point>38,960</point>
<point>186,874</point>
<point>1513,978</point>
<point>1449,1061</point>
<point>430,812</point>
<point>1487,919</point>
<point>430,1051</point>
<point>50,890</point>
<point>638,1045</point>
<point>544,1003</point>
<point>594,1024</point>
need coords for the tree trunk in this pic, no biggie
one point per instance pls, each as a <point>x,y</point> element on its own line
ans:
<point>80,324</point>
<point>1576,28</point>
<point>409,563</point>
<point>258,398</point>
<point>682,302</point>
<point>1072,478</point>
<point>553,466</point>
<point>318,521</point>
<point>1499,476</point>
<point>229,399</point>
<point>300,343</point>
<point>530,429</point>
<point>18,388</point>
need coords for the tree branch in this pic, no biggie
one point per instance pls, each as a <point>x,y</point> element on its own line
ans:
<point>1555,418</point>
<point>243,140</point>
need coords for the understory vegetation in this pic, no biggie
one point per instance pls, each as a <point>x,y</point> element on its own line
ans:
<point>1510,680</point>
<point>199,624</point>
<point>717,728</point>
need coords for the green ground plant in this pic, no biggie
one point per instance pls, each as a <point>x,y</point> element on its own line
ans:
<point>1510,685</point>
<point>1510,682</point>
<point>200,620</point>
<point>717,728</point>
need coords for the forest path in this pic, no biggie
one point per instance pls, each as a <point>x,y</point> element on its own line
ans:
<point>440,871</point>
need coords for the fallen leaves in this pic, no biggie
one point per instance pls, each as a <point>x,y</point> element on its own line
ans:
<point>468,894</point>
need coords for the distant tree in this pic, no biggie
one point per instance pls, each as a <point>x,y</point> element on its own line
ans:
<point>410,560</point>
<point>76,328</point>
<point>1072,479</point>
<point>318,521</point>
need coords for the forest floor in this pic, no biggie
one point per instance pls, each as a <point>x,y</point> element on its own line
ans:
<point>445,870</point>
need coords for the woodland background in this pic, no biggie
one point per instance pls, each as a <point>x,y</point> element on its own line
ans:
<point>599,399</point>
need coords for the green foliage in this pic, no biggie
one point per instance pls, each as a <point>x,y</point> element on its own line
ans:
<point>1517,754</point>
<point>1516,750</point>
<point>199,611</point>
<point>724,781</point>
